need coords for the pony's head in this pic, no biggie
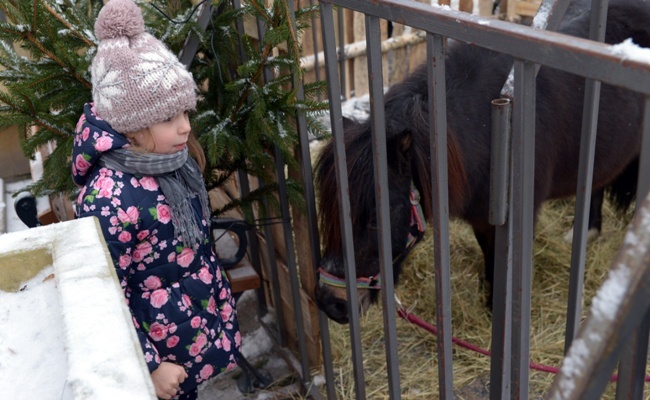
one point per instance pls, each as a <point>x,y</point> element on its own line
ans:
<point>409,190</point>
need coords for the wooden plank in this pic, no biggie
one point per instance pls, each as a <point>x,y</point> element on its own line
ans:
<point>243,277</point>
<point>526,8</point>
<point>310,318</point>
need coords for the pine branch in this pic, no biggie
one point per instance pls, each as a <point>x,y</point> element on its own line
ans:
<point>68,25</point>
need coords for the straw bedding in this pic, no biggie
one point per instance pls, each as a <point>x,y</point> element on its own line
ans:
<point>470,317</point>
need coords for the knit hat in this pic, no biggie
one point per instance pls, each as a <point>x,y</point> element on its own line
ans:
<point>136,80</point>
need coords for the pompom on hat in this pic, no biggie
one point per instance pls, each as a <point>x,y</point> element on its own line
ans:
<point>136,80</point>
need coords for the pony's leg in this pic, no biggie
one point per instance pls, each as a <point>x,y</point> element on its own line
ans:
<point>594,226</point>
<point>485,238</point>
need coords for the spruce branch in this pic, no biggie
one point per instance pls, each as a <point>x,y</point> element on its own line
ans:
<point>68,25</point>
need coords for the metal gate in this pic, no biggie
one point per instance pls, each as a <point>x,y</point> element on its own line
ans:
<point>511,320</point>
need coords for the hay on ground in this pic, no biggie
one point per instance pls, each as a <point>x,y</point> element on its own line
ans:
<point>470,317</point>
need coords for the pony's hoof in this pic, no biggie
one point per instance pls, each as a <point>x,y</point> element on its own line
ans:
<point>592,234</point>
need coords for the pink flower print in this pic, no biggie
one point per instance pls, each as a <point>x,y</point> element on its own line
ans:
<point>131,215</point>
<point>105,186</point>
<point>185,258</point>
<point>103,143</point>
<point>237,339</point>
<point>171,257</point>
<point>114,221</point>
<point>105,212</point>
<point>80,123</point>
<point>186,301</point>
<point>205,276</point>
<point>124,237</point>
<point>231,366</point>
<point>226,311</point>
<point>143,234</point>
<point>158,298</point>
<point>112,230</point>
<point>152,283</point>
<point>172,327</point>
<point>201,340</point>
<point>212,306</point>
<point>195,349</point>
<point>223,294</point>
<point>135,183</point>
<point>195,322</point>
<point>164,213</point>
<point>142,250</point>
<point>157,331</point>
<point>172,341</point>
<point>206,371</point>
<point>149,183</point>
<point>85,134</point>
<point>81,164</point>
<point>82,193</point>
<point>225,342</point>
<point>125,261</point>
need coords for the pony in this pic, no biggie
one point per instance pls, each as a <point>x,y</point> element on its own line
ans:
<point>474,77</point>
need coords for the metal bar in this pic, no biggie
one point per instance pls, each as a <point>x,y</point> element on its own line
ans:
<point>336,117</point>
<point>633,362</point>
<point>312,226</point>
<point>500,160</point>
<point>293,268</point>
<point>192,42</point>
<point>437,93</point>
<point>585,179</point>
<point>380,167</point>
<point>301,126</point>
<point>553,49</point>
<point>501,362</point>
<point>612,321</point>
<point>523,159</point>
<point>268,232</point>
<point>314,38</point>
<point>342,58</point>
<point>253,245</point>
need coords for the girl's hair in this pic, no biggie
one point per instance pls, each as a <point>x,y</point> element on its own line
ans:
<point>193,146</point>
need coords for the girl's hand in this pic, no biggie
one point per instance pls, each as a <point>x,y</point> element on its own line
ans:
<point>167,379</point>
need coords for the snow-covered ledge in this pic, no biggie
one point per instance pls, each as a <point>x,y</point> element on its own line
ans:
<point>59,294</point>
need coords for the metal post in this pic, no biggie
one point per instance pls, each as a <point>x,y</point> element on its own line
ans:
<point>336,117</point>
<point>523,160</point>
<point>585,177</point>
<point>500,209</point>
<point>437,94</point>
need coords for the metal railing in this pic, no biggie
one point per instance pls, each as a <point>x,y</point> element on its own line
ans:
<point>529,47</point>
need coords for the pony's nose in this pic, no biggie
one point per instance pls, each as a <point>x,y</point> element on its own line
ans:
<point>335,307</point>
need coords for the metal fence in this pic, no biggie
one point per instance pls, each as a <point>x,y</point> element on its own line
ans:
<point>511,319</point>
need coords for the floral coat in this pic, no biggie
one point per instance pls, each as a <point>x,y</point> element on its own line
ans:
<point>179,297</point>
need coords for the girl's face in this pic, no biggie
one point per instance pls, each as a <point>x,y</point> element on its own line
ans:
<point>167,137</point>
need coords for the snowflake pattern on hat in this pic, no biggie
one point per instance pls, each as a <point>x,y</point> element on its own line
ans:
<point>108,86</point>
<point>156,70</point>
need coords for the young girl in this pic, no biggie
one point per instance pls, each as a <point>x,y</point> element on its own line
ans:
<point>131,161</point>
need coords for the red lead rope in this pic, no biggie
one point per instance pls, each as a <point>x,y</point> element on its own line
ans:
<point>414,319</point>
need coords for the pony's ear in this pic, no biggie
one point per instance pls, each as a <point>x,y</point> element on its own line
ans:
<point>405,141</point>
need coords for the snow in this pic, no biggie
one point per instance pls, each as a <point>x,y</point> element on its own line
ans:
<point>31,337</point>
<point>82,310</point>
<point>631,51</point>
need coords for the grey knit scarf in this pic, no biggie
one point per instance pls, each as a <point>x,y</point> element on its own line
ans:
<point>179,178</point>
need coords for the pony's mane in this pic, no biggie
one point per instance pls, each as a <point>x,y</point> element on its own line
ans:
<point>361,183</point>
<point>421,163</point>
<point>359,159</point>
